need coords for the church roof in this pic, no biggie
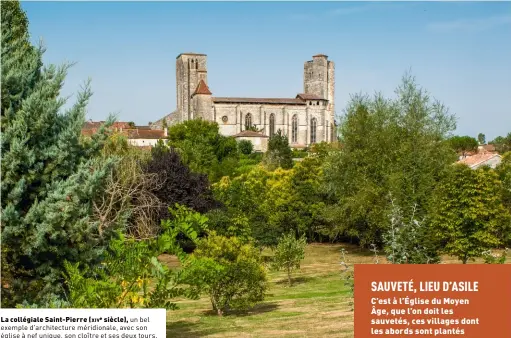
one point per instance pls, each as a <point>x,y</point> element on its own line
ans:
<point>202,88</point>
<point>309,97</point>
<point>257,100</point>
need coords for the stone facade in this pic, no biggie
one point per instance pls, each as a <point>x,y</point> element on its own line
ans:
<point>306,119</point>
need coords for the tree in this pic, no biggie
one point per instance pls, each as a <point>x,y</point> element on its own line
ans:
<point>289,253</point>
<point>279,153</point>
<point>389,146</point>
<point>463,144</point>
<point>49,178</point>
<point>245,147</point>
<point>178,183</point>
<point>481,138</point>
<point>203,148</point>
<point>409,240</point>
<point>229,271</point>
<point>131,274</point>
<point>502,144</point>
<point>467,214</point>
<point>129,191</point>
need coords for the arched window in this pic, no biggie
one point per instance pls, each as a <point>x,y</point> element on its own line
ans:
<point>294,129</point>
<point>196,64</point>
<point>313,130</point>
<point>272,124</point>
<point>248,121</point>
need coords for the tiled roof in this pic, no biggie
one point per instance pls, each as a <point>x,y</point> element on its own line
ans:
<point>202,88</point>
<point>144,134</point>
<point>250,133</point>
<point>141,132</point>
<point>309,97</point>
<point>474,160</point>
<point>257,100</point>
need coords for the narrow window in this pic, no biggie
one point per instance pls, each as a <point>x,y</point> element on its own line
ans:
<point>248,121</point>
<point>196,64</point>
<point>294,129</point>
<point>272,124</point>
<point>313,130</point>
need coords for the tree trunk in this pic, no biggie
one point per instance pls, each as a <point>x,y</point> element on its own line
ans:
<point>289,276</point>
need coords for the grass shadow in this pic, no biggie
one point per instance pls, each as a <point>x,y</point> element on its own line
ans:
<point>256,310</point>
<point>183,328</point>
<point>295,280</point>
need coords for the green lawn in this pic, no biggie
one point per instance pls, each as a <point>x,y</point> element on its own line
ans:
<point>317,305</point>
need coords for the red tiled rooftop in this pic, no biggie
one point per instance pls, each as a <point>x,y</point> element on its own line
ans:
<point>477,158</point>
<point>202,88</point>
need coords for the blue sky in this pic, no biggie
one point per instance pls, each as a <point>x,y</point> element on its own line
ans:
<point>459,51</point>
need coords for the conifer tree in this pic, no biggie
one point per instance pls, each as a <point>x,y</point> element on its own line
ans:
<point>49,177</point>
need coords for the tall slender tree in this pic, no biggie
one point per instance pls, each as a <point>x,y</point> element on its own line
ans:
<point>49,177</point>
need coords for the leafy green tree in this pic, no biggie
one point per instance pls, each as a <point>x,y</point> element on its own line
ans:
<point>467,214</point>
<point>502,143</point>
<point>289,253</point>
<point>463,144</point>
<point>245,147</point>
<point>203,148</point>
<point>131,274</point>
<point>389,146</point>
<point>504,172</point>
<point>481,138</point>
<point>279,153</point>
<point>230,271</point>
<point>49,177</point>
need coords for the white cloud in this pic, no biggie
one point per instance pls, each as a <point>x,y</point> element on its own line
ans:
<point>470,25</point>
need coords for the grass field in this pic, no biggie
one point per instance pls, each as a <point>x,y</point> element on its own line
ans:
<point>317,305</point>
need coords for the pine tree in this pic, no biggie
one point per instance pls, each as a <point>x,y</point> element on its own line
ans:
<point>49,177</point>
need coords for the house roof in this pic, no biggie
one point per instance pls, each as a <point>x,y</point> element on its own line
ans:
<point>258,100</point>
<point>250,133</point>
<point>477,159</point>
<point>153,134</point>
<point>202,88</point>
<point>141,132</point>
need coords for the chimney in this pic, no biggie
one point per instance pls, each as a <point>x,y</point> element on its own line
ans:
<point>165,130</point>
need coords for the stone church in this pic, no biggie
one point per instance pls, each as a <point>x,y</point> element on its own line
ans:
<point>306,119</point>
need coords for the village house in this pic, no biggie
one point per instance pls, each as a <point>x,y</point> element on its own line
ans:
<point>482,159</point>
<point>139,136</point>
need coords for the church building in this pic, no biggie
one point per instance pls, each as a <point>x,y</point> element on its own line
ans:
<point>306,119</point>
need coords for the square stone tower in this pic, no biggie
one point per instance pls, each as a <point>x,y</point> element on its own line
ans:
<point>191,68</point>
<point>319,79</point>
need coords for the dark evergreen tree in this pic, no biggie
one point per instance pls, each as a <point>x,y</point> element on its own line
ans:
<point>49,177</point>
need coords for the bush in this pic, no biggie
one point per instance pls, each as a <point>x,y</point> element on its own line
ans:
<point>229,271</point>
<point>245,147</point>
<point>289,253</point>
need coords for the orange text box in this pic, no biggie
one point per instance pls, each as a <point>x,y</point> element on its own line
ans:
<point>433,300</point>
